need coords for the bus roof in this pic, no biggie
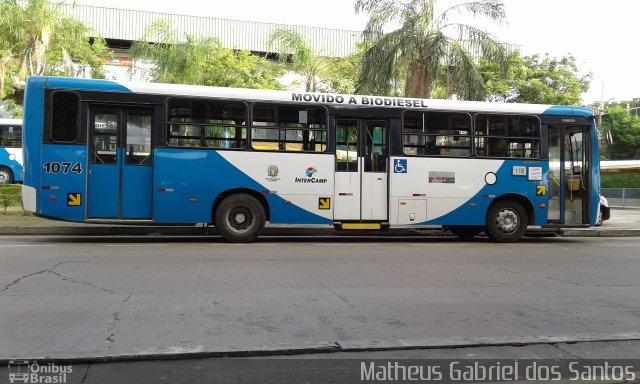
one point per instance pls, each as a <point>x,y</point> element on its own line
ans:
<point>307,97</point>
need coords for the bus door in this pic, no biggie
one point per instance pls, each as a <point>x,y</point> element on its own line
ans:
<point>361,177</point>
<point>120,163</point>
<point>569,178</point>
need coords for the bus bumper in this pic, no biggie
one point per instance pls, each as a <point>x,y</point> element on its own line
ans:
<point>29,198</point>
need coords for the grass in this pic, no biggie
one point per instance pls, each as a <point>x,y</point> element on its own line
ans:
<point>621,180</point>
<point>15,215</point>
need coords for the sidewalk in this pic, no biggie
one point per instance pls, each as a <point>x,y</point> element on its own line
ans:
<point>623,223</point>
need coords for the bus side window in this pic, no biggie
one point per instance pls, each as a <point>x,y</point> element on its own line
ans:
<point>64,116</point>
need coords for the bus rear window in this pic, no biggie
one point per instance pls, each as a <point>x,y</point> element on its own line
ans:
<point>64,117</point>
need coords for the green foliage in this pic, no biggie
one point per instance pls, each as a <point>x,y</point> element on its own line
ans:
<point>295,50</point>
<point>10,194</point>
<point>37,38</point>
<point>631,104</point>
<point>427,50</point>
<point>625,130</point>
<point>318,73</point>
<point>532,79</point>
<point>201,61</point>
<point>340,75</point>
<point>241,69</point>
<point>620,180</point>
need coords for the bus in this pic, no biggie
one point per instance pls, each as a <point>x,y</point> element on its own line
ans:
<point>103,151</point>
<point>10,151</point>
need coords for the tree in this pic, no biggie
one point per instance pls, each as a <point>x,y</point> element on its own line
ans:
<point>340,74</point>
<point>625,130</point>
<point>318,73</point>
<point>427,48</point>
<point>39,39</point>
<point>200,60</point>
<point>531,79</point>
<point>295,49</point>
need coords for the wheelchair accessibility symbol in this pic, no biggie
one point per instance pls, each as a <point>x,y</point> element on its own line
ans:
<point>400,166</point>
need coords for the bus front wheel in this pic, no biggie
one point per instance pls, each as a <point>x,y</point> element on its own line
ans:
<point>240,218</point>
<point>507,221</point>
<point>6,176</point>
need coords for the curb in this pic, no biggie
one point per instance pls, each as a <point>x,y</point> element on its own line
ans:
<point>324,231</point>
<point>590,232</point>
<point>319,348</point>
<point>92,230</point>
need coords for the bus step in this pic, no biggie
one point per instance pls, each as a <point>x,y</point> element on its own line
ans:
<point>361,226</point>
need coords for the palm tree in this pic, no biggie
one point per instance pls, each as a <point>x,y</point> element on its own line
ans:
<point>199,60</point>
<point>304,60</point>
<point>38,39</point>
<point>427,49</point>
<point>174,61</point>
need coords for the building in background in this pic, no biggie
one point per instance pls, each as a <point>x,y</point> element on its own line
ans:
<point>121,27</point>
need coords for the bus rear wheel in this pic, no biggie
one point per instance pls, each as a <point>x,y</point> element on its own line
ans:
<point>507,221</point>
<point>240,218</point>
<point>6,176</point>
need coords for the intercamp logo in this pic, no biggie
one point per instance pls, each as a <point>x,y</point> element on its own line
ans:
<point>22,371</point>
<point>310,172</point>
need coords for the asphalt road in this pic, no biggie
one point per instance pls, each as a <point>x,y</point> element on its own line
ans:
<point>70,298</point>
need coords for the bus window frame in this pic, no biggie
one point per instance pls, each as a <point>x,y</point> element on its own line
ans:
<point>470,135</point>
<point>166,121</point>
<point>2,138</point>
<point>327,128</point>
<point>540,136</point>
<point>49,118</point>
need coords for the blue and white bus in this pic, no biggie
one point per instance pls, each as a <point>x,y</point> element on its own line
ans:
<point>10,151</point>
<point>101,151</point>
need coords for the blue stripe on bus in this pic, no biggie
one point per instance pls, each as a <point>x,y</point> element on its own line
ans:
<point>567,110</point>
<point>506,184</point>
<point>172,173</point>
<point>91,84</point>
<point>33,123</point>
<point>595,176</point>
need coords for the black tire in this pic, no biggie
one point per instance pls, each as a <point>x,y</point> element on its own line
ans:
<point>507,221</point>
<point>600,217</point>
<point>240,218</point>
<point>466,232</point>
<point>6,176</point>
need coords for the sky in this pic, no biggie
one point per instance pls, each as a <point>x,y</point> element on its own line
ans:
<point>602,35</point>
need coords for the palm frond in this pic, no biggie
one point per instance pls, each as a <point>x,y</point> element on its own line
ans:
<point>492,9</point>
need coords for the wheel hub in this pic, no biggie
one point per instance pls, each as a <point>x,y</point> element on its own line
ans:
<point>507,221</point>
<point>240,218</point>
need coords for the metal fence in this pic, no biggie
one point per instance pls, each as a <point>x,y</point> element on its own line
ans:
<point>622,197</point>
